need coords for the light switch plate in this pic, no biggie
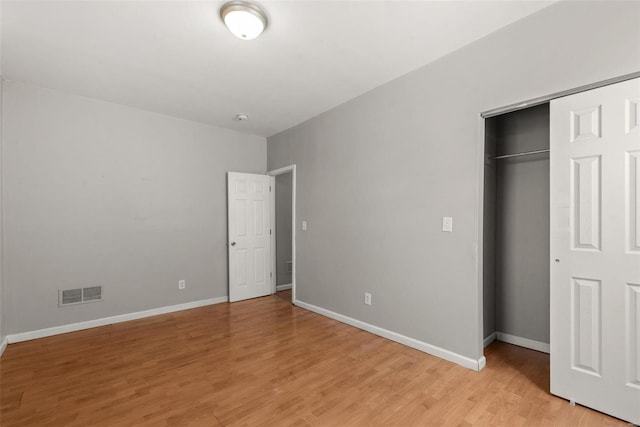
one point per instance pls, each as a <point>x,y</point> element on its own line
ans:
<point>304,225</point>
<point>447,224</point>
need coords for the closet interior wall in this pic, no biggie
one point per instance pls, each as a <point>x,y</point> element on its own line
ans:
<point>516,227</point>
<point>283,233</point>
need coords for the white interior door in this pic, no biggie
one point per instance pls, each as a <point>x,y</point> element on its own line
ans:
<point>595,249</point>
<point>249,218</point>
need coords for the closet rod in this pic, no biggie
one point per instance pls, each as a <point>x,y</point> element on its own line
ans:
<point>528,153</point>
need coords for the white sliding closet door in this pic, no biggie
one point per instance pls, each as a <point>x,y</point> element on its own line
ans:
<point>595,249</point>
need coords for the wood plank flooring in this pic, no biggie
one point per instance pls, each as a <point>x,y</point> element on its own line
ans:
<point>286,295</point>
<point>265,362</point>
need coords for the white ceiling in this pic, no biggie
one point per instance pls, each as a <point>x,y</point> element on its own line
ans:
<point>177,58</point>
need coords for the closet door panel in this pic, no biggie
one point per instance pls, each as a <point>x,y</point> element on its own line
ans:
<point>586,345</point>
<point>585,203</point>
<point>585,124</point>
<point>633,201</point>
<point>633,115</point>
<point>633,320</point>
<point>595,249</point>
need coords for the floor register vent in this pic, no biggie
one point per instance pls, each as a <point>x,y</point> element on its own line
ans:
<point>79,296</point>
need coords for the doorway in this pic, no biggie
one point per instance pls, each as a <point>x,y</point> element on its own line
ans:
<point>516,228</point>
<point>283,223</point>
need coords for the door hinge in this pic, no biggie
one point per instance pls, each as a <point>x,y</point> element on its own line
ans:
<point>269,189</point>
<point>269,231</point>
<point>270,274</point>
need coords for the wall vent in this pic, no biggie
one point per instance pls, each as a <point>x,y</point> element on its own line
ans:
<point>79,295</point>
<point>70,296</point>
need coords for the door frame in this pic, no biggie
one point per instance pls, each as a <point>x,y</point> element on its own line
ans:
<point>274,173</point>
<point>480,164</point>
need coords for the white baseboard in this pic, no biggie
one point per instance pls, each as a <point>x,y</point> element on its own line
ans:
<point>523,342</point>
<point>63,329</point>
<point>482,362</point>
<point>491,338</point>
<point>467,362</point>
<point>3,345</point>
<point>283,287</point>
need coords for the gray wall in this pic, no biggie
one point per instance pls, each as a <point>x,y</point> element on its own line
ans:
<point>489,231</point>
<point>97,193</point>
<point>376,174</point>
<point>522,218</point>
<point>3,323</point>
<point>3,333</point>
<point>283,227</point>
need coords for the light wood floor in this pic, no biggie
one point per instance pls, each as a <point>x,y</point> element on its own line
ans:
<point>265,362</point>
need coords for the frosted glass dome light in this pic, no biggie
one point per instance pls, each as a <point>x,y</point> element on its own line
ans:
<point>245,20</point>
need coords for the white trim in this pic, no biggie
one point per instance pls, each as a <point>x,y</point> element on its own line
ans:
<point>3,345</point>
<point>479,247</point>
<point>442,353</point>
<point>491,338</point>
<point>283,287</point>
<point>550,97</point>
<point>280,171</point>
<point>72,327</point>
<point>482,363</point>
<point>523,342</point>
<point>272,235</point>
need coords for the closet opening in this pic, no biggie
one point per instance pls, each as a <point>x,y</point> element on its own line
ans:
<point>283,241</point>
<point>283,237</point>
<point>516,229</point>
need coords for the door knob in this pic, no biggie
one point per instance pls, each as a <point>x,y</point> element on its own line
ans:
<point>233,243</point>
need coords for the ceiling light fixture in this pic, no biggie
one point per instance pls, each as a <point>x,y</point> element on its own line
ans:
<point>245,20</point>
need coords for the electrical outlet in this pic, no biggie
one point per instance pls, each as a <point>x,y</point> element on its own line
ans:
<point>447,224</point>
<point>182,284</point>
<point>304,225</point>
<point>367,298</point>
